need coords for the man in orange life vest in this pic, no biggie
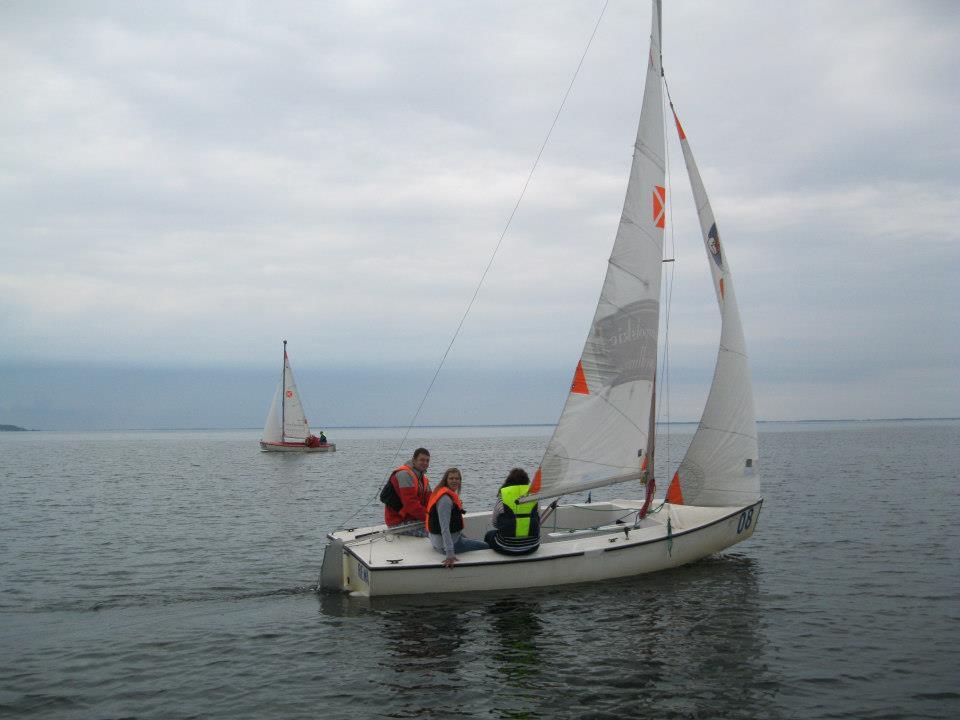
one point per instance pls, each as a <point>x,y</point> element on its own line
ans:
<point>407,492</point>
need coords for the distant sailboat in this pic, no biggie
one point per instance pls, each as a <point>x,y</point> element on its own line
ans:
<point>606,432</point>
<point>286,429</point>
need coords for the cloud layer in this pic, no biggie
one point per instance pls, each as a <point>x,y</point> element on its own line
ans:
<point>184,185</point>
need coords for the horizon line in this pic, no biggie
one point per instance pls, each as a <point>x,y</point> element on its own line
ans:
<point>476,425</point>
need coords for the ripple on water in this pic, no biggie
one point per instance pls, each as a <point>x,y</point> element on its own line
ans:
<point>199,556</point>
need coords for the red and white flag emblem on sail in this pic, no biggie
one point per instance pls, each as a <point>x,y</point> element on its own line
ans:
<point>659,205</point>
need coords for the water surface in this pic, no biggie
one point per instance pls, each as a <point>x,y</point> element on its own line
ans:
<point>172,574</point>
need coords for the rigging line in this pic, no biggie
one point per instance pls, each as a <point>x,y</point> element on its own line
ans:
<point>503,234</point>
<point>665,370</point>
<point>506,227</point>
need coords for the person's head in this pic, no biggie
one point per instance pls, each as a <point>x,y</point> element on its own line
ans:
<point>421,459</point>
<point>517,476</point>
<point>452,479</point>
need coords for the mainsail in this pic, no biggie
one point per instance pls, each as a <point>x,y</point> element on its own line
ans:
<point>605,433</point>
<point>286,420</point>
<point>720,467</point>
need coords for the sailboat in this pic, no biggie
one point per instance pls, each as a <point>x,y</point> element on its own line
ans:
<point>286,429</point>
<point>606,432</point>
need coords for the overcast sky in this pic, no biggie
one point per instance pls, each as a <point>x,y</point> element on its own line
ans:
<point>185,184</point>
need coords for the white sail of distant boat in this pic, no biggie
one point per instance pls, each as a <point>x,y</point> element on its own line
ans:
<point>286,428</point>
<point>605,433</point>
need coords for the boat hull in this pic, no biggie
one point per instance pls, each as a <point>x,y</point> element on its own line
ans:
<point>599,554</point>
<point>295,447</point>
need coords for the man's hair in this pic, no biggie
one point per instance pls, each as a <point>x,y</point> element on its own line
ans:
<point>420,451</point>
<point>517,476</point>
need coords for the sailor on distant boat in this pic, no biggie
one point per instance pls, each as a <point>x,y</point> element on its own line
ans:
<point>516,525</point>
<point>323,438</point>
<point>445,519</point>
<point>407,492</point>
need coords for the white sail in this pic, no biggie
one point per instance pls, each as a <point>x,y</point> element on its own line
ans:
<point>295,426</point>
<point>720,467</point>
<point>605,432</point>
<point>272,430</point>
<point>286,420</point>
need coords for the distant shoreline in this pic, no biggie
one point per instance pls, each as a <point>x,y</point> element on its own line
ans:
<point>16,428</point>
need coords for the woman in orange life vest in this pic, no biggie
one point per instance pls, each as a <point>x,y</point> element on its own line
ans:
<point>445,519</point>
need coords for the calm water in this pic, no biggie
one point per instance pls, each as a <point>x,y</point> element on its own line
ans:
<point>171,575</point>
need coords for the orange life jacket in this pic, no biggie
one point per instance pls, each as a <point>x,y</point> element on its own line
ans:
<point>399,505</point>
<point>433,517</point>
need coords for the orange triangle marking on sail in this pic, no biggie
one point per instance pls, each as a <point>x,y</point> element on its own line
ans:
<point>535,485</point>
<point>721,288</point>
<point>674,494</point>
<point>579,381</point>
<point>683,135</point>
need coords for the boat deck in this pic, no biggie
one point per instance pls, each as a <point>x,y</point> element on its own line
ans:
<point>595,523</point>
<point>579,543</point>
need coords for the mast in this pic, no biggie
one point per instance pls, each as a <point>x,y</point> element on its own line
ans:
<point>283,394</point>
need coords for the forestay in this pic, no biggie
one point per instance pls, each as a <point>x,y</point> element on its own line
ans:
<point>606,431</point>
<point>720,467</point>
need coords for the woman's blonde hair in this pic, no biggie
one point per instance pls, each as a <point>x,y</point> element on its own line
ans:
<point>444,482</point>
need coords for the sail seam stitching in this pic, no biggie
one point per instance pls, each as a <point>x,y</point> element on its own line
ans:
<point>591,462</point>
<point>645,283</point>
<point>728,432</point>
<point>626,219</point>
<point>642,148</point>
<point>735,352</point>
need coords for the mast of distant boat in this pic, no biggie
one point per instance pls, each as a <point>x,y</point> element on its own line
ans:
<point>283,395</point>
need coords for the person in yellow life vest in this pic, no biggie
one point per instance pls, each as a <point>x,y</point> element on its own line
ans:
<point>445,519</point>
<point>516,524</point>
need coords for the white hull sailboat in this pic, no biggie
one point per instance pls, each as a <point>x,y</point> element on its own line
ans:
<point>286,429</point>
<point>605,434</point>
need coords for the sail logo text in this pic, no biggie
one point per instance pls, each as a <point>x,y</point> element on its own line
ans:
<point>633,334</point>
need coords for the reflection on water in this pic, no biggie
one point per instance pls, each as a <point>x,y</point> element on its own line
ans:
<point>429,632</point>
<point>516,625</point>
<point>683,643</point>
